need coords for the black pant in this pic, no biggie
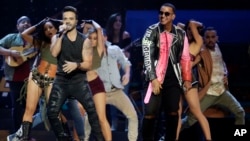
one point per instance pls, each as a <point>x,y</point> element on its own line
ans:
<point>18,107</point>
<point>168,101</point>
<point>60,92</point>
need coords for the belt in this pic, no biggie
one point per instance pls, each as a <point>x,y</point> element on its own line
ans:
<point>113,88</point>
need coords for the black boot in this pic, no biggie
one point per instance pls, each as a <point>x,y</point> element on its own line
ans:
<point>148,126</point>
<point>23,134</point>
<point>171,127</point>
<point>67,129</point>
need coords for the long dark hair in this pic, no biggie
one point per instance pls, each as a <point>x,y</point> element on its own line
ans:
<point>110,28</point>
<point>199,28</point>
<point>39,34</point>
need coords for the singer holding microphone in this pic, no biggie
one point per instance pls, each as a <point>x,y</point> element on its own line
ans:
<point>63,29</point>
<point>74,58</point>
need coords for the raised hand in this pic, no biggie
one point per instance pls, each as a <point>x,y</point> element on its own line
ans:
<point>39,25</point>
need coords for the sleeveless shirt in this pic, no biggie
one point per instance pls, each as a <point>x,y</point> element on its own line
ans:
<point>71,51</point>
<point>46,54</point>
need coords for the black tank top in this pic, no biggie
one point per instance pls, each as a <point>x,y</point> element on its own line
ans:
<point>71,51</point>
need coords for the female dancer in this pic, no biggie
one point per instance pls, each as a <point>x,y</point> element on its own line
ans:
<point>42,75</point>
<point>96,85</point>
<point>194,30</point>
<point>116,32</point>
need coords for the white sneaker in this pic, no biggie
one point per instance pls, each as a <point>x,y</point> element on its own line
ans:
<point>12,137</point>
<point>162,138</point>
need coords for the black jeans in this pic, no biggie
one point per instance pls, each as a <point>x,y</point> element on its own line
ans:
<point>80,90</point>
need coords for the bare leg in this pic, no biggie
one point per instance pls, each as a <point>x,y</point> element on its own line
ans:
<point>100,104</point>
<point>33,95</point>
<point>179,121</point>
<point>194,107</point>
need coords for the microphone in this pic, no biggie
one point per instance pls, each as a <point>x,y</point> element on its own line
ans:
<point>62,30</point>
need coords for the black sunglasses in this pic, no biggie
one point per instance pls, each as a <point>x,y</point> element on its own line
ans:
<point>165,13</point>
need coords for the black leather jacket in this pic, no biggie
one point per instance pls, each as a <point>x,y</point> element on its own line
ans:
<point>179,52</point>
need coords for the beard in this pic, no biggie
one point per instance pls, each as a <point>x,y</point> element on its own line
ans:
<point>210,46</point>
<point>71,27</point>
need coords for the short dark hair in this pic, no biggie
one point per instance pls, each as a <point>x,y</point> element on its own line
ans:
<point>209,28</point>
<point>71,9</point>
<point>169,5</point>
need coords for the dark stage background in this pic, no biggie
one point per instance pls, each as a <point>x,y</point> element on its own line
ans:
<point>230,18</point>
